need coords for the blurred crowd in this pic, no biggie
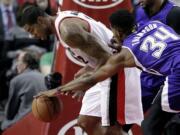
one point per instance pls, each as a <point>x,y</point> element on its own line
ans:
<point>23,58</point>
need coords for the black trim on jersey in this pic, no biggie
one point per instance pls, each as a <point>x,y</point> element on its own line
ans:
<point>113,100</point>
<point>173,19</point>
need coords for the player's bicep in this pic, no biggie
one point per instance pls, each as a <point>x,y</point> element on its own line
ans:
<point>77,36</point>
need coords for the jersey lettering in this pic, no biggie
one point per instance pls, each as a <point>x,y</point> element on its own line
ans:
<point>77,57</point>
<point>152,42</point>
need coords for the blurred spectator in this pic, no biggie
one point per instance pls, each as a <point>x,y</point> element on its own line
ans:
<point>17,39</point>
<point>39,51</point>
<point>7,22</point>
<point>23,87</point>
<point>49,6</point>
<point>44,5</point>
<point>7,18</point>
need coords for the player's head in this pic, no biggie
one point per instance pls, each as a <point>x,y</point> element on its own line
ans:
<point>122,23</point>
<point>35,21</point>
<point>147,4</point>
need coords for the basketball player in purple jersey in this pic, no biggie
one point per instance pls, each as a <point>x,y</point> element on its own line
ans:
<point>166,12</point>
<point>153,48</point>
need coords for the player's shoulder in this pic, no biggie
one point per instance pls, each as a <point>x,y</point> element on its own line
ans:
<point>74,24</point>
<point>175,10</point>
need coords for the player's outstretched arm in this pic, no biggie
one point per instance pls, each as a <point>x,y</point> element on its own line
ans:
<point>89,79</point>
<point>83,70</point>
<point>114,63</point>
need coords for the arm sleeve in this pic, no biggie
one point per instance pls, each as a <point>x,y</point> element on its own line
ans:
<point>173,19</point>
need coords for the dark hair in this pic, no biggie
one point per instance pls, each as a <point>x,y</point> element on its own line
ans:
<point>28,14</point>
<point>31,59</point>
<point>122,19</point>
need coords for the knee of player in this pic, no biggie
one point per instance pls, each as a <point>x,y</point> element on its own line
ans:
<point>83,124</point>
<point>106,131</point>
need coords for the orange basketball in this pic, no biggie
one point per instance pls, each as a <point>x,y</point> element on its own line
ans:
<point>46,108</point>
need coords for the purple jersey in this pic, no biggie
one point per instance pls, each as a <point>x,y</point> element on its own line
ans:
<point>152,82</point>
<point>142,17</point>
<point>156,48</point>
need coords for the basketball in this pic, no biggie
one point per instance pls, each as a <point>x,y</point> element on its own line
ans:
<point>46,108</point>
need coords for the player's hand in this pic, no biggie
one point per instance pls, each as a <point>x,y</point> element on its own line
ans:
<point>78,95</point>
<point>115,45</point>
<point>48,93</point>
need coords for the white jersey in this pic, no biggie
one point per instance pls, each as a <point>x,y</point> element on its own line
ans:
<point>97,29</point>
<point>96,99</point>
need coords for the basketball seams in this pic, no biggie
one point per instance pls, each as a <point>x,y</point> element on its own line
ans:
<point>47,100</point>
<point>37,109</point>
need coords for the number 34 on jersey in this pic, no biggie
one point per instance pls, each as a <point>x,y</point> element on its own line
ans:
<point>155,42</point>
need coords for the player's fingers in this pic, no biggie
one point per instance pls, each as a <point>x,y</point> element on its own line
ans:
<point>38,95</point>
<point>75,95</point>
<point>65,93</point>
<point>78,95</point>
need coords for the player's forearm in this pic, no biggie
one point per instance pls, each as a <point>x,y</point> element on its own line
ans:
<point>111,67</point>
<point>87,68</point>
<point>73,83</point>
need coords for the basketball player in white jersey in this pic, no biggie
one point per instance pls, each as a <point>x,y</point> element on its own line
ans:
<point>87,40</point>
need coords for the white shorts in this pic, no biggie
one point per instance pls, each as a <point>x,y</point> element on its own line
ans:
<point>96,102</point>
<point>129,105</point>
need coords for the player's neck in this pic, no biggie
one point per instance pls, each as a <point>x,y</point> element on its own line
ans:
<point>156,7</point>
